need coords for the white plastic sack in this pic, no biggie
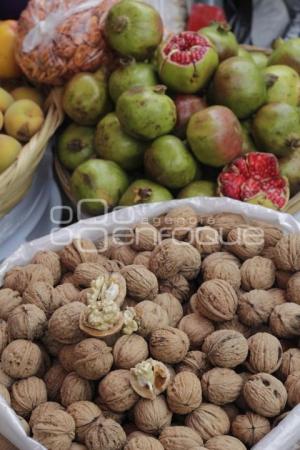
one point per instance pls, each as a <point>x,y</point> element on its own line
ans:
<point>287,435</point>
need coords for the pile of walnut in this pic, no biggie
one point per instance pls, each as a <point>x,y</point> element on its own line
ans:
<point>184,338</point>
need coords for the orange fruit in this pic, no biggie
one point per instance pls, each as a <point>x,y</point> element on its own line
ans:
<point>8,37</point>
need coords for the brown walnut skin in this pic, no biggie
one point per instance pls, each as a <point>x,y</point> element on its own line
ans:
<point>184,393</point>
<point>235,325</point>
<point>226,271</point>
<point>66,357</point>
<point>93,359</point>
<point>272,233</point>
<point>177,286</point>
<point>108,413</point>
<point>216,300</point>
<point>178,222</point>
<point>142,259</point>
<point>168,345</point>
<point>282,278</point>
<point>224,443</point>
<point>265,353</point>
<point>26,322</point>
<point>84,414</point>
<point>221,386</point>
<point>81,250</point>
<point>225,222</point>
<point>293,289</point>
<point>9,300</point>
<point>180,437</point>
<point>195,362</point>
<point>128,351</point>
<point>206,240</point>
<point>208,421</point>
<point>54,378</point>
<point>219,258</point>
<point>5,379</point>
<point>41,294</point>
<point>172,306</point>
<point>146,237</point>
<point>231,410</point>
<point>226,348</point>
<point>150,317</point>
<point>196,328</point>
<point>144,442</point>
<point>50,260</point>
<point>74,389</point>
<point>4,339</point>
<point>287,253</point>
<point>21,359</point>
<point>250,428</point>
<point>116,392</point>
<point>85,273</point>
<point>258,273</point>
<point>265,395</point>
<point>19,278</point>
<point>152,416</point>
<point>245,242</point>
<point>55,430</point>
<point>141,283</point>
<point>64,323</point>
<point>27,394</point>
<point>44,408</point>
<point>105,434</point>
<point>290,363</point>
<point>255,308</point>
<point>285,320</point>
<point>292,386</point>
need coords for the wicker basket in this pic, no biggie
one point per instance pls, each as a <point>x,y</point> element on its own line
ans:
<point>17,179</point>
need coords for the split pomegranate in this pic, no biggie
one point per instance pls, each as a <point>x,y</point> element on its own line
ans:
<point>186,62</point>
<point>255,178</point>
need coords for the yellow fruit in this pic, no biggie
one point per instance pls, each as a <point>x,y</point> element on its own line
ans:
<point>23,119</point>
<point>1,120</point>
<point>28,93</point>
<point>8,36</point>
<point>5,100</point>
<point>9,151</point>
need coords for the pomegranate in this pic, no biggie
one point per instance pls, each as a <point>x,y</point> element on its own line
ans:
<point>248,143</point>
<point>134,28</point>
<point>215,136</point>
<point>199,188</point>
<point>290,167</point>
<point>287,53</point>
<point>282,84</point>
<point>276,128</point>
<point>186,62</point>
<point>239,85</point>
<point>145,191</point>
<point>186,106</point>
<point>255,178</point>
<point>260,59</point>
<point>223,39</point>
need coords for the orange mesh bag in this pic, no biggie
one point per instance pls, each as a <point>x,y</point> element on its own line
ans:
<point>58,38</point>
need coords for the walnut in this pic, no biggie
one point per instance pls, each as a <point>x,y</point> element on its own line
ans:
<point>287,255</point>
<point>172,257</point>
<point>282,278</point>
<point>197,328</point>
<point>216,300</point>
<point>9,300</point>
<point>292,386</point>
<point>41,294</point>
<point>116,391</point>
<point>268,252</point>
<point>19,278</point>
<point>142,259</point>
<point>208,421</point>
<point>150,378</point>
<point>64,323</point>
<point>66,357</point>
<point>5,379</point>
<point>179,437</point>
<point>84,414</point>
<point>85,273</point>
<point>265,353</point>
<point>76,446</point>
<point>152,416</point>
<point>278,419</point>
<point>285,320</point>
<point>235,325</point>
<point>141,283</point>
<point>265,395</point>
<point>81,250</point>
<point>65,293</point>
<point>46,361</point>
<point>245,242</point>
<point>221,386</point>
<point>68,277</point>
<point>21,359</point>
<point>255,307</point>
<point>195,362</point>
<point>4,339</point>
<point>150,316</point>
<point>50,260</point>
<point>290,362</point>
<point>144,442</point>
<point>172,306</point>
<point>26,322</point>
<point>129,351</point>
<point>168,345</point>
<point>111,265</point>
<point>226,348</point>
<point>108,413</point>
<point>55,430</point>
<point>272,233</point>
<point>177,286</point>
<point>28,394</point>
<point>52,345</point>
<point>258,273</point>
<point>227,271</point>
<point>54,378</point>
<point>293,289</point>
<point>224,443</point>
<point>105,434</point>
<point>231,410</point>
<point>178,222</point>
<point>184,393</point>
<point>93,359</point>
<point>219,258</point>
<point>44,408</point>
<point>225,222</point>
<point>206,240</point>
<point>250,428</point>
<point>146,237</point>
<point>278,296</point>
<point>5,394</point>
<point>122,252</point>
<point>74,388</point>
